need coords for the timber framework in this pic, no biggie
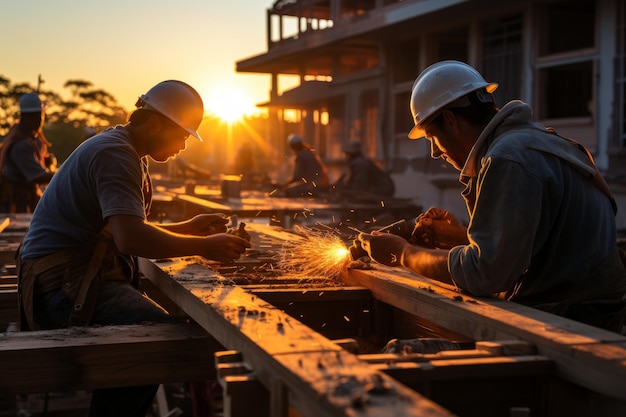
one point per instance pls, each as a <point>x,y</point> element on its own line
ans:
<point>369,342</point>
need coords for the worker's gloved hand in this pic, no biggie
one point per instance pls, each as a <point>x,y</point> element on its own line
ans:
<point>384,248</point>
<point>240,231</point>
<point>438,228</point>
<point>224,247</point>
<point>207,224</point>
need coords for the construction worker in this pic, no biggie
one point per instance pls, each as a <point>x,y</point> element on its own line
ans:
<point>24,158</point>
<point>309,175</point>
<point>365,177</point>
<point>77,261</point>
<point>542,228</point>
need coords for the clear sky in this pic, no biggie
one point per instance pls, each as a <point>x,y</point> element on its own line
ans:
<point>126,46</point>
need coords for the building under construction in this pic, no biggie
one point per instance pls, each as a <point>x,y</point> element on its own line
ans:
<point>356,61</point>
<point>292,330</point>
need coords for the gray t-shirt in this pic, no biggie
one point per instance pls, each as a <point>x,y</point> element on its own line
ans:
<point>101,178</point>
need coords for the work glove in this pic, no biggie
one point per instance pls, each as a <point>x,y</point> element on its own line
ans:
<point>438,228</point>
<point>384,248</point>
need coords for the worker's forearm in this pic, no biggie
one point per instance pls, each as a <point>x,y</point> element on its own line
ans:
<point>179,228</point>
<point>167,244</point>
<point>150,241</point>
<point>432,263</point>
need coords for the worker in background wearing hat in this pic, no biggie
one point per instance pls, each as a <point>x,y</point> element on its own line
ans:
<point>365,177</point>
<point>542,228</point>
<point>92,222</point>
<point>24,159</point>
<point>310,176</point>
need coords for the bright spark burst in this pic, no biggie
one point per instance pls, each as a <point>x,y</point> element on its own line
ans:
<point>319,254</point>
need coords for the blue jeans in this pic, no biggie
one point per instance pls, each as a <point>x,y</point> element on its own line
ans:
<point>118,304</point>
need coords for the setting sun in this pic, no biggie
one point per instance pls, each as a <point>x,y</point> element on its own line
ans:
<point>229,103</point>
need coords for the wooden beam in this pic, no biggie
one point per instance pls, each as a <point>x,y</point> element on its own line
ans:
<point>320,377</point>
<point>85,358</point>
<point>4,223</point>
<point>459,370</point>
<point>586,355</point>
<point>7,252</point>
<point>18,222</point>
<point>282,295</point>
<point>8,305</point>
<point>210,206</point>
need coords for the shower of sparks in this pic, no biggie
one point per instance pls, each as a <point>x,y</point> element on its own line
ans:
<point>319,254</point>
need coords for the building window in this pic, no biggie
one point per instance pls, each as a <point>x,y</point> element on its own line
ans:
<point>567,26</point>
<point>369,115</point>
<point>566,90</point>
<point>502,56</point>
<point>452,44</point>
<point>404,59</point>
<point>566,37</point>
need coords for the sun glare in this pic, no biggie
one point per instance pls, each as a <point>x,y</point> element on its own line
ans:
<point>229,103</point>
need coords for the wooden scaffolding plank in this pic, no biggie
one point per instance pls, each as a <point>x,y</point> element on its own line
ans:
<point>320,377</point>
<point>84,358</point>
<point>4,223</point>
<point>586,355</point>
<point>8,305</point>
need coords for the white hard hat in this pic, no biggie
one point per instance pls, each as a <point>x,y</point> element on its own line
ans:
<point>177,101</point>
<point>440,85</point>
<point>293,139</point>
<point>30,103</point>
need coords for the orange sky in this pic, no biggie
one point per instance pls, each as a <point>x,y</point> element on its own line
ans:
<point>125,47</point>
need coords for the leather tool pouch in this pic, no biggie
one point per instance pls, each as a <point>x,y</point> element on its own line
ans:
<point>78,273</point>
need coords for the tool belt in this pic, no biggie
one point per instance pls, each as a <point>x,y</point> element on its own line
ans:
<point>78,272</point>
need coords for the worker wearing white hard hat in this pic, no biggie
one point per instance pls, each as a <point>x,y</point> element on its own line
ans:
<point>445,85</point>
<point>25,159</point>
<point>365,179</point>
<point>542,228</point>
<point>178,102</point>
<point>92,221</point>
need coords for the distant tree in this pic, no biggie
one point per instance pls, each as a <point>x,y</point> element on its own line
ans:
<point>86,109</point>
<point>91,107</point>
<point>5,104</point>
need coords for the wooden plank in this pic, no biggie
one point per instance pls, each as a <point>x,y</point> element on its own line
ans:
<point>85,358</point>
<point>489,386</point>
<point>585,355</point>
<point>8,306</point>
<point>278,234</point>
<point>11,237</point>
<point>4,223</point>
<point>321,378</point>
<point>7,252</point>
<point>272,295</point>
<point>9,279</point>
<point>19,222</point>
<point>211,206</point>
<point>459,369</point>
<point>286,210</point>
